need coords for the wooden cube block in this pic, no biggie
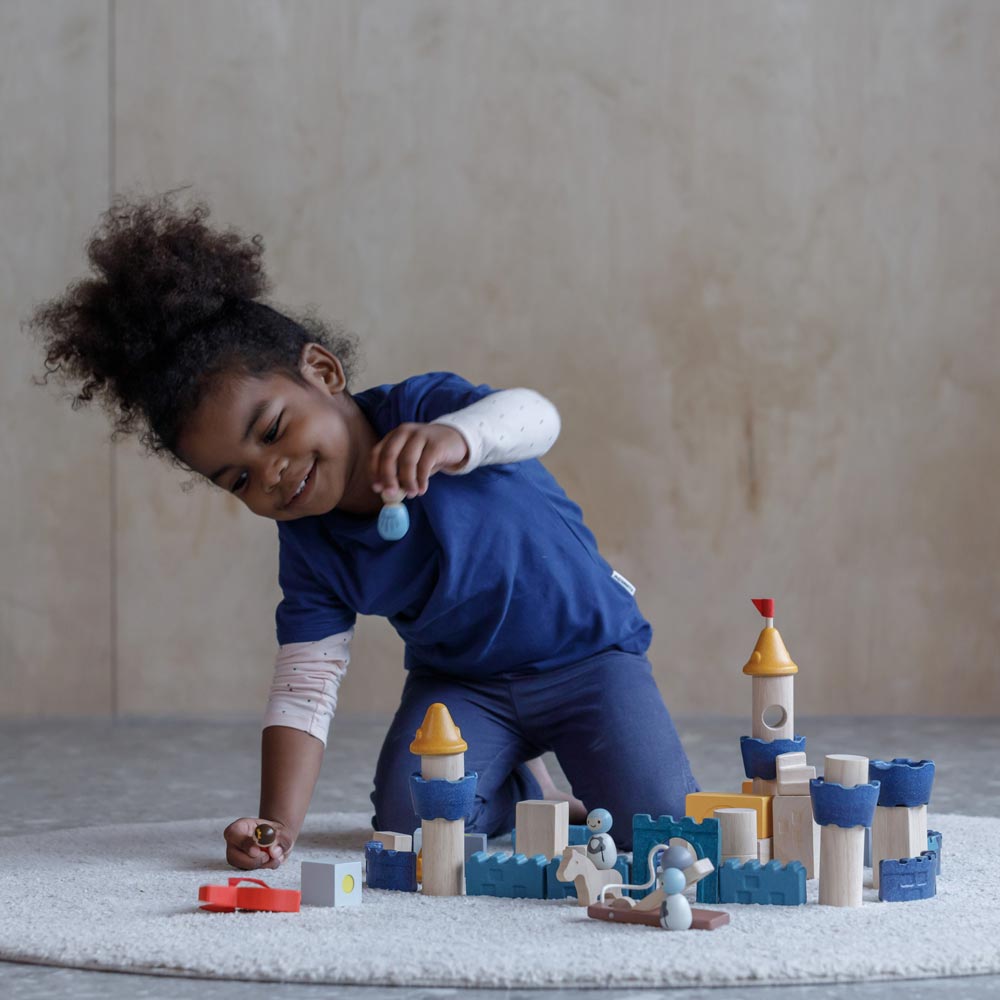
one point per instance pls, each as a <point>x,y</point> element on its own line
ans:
<point>393,841</point>
<point>542,828</point>
<point>765,850</point>
<point>331,885</point>
<point>761,786</point>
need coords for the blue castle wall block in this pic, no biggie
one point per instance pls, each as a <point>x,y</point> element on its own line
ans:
<point>510,876</point>
<point>908,879</point>
<point>554,889</point>
<point>703,837</point>
<point>934,843</point>
<point>390,869</point>
<point>773,884</point>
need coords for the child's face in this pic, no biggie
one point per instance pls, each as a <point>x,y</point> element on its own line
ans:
<point>262,437</point>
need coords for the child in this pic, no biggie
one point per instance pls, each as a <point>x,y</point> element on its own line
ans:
<point>509,614</point>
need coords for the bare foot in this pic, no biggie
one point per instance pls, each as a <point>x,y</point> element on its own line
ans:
<point>577,810</point>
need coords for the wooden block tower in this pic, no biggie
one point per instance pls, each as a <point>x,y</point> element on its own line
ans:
<point>843,803</point>
<point>442,797</point>
<point>773,678</point>
<point>899,829</point>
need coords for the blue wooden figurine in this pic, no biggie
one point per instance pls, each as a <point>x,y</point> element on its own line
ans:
<point>393,518</point>
<point>601,848</point>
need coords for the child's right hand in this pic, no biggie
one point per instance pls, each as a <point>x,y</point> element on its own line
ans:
<point>242,851</point>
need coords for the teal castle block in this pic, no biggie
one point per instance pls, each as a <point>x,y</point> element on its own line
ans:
<point>703,838</point>
<point>773,884</point>
<point>510,876</point>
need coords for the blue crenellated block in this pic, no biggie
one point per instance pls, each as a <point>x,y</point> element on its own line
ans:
<point>703,838</point>
<point>773,884</point>
<point>554,889</point>
<point>839,805</point>
<point>512,876</point>
<point>908,879</point>
<point>390,869</point>
<point>934,843</point>
<point>902,781</point>
<point>442,799</point>
<point>759,756</point>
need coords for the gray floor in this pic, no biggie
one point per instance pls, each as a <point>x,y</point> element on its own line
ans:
<point>78,773</point>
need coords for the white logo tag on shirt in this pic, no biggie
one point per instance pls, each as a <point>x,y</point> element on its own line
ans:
<point>618,578</point>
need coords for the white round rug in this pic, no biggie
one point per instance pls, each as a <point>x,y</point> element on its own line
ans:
<point>124,898</point>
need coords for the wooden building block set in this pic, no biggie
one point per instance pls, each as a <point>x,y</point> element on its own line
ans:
<point>758,846</point>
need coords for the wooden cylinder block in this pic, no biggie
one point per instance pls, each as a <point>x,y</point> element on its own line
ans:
<point>738,830</point>
<point>897,832</point>
<point>846,769</point>
<point>773,696</point>
<point>450,767</point>
<point>841,865</point>
<point>443,857</point>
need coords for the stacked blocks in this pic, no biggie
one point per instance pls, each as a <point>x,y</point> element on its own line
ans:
<point>772,884</point>
<point>899,829</point>
<point>908,879</point>
<point>510,876</point>
<point>554,889</point>
<point>390,869</point>
<point>703,838</point>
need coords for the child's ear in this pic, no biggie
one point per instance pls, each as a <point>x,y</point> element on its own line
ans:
<point>322,368</point>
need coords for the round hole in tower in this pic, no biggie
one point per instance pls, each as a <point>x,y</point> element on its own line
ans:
<point>774,716</point>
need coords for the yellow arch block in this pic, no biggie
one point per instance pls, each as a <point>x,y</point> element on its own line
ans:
<point>701,805</point>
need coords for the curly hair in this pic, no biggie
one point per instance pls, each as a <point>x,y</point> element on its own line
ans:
<point>174,304</point>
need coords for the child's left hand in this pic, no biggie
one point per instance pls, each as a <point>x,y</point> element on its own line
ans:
<point>407,457</point>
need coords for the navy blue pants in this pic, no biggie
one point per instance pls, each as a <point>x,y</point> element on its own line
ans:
<point>603,718</point>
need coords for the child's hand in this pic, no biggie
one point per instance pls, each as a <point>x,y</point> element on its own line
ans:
<point>407,457</point>
<point>243,851</point>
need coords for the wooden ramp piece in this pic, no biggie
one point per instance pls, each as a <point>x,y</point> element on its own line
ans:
<point>702,920</point>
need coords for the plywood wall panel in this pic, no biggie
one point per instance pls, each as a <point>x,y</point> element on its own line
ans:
<point>55,554</point>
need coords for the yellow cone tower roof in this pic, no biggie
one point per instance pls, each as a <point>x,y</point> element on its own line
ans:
<point>769,657</point>
<point>438,735</point>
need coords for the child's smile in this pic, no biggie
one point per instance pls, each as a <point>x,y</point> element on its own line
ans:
<point>286,448</point>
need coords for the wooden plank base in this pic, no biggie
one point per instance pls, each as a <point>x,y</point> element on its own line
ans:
<point>702,920</point>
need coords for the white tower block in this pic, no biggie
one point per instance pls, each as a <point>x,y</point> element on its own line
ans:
<point>897,832</point>
<point>842,850</point>
<point>442,756</point>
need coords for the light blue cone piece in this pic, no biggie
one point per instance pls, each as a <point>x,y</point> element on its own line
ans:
<point>393,522</point>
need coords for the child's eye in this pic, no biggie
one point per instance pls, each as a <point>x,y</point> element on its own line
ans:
<point>272,431</point>
<point>241,481</point>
